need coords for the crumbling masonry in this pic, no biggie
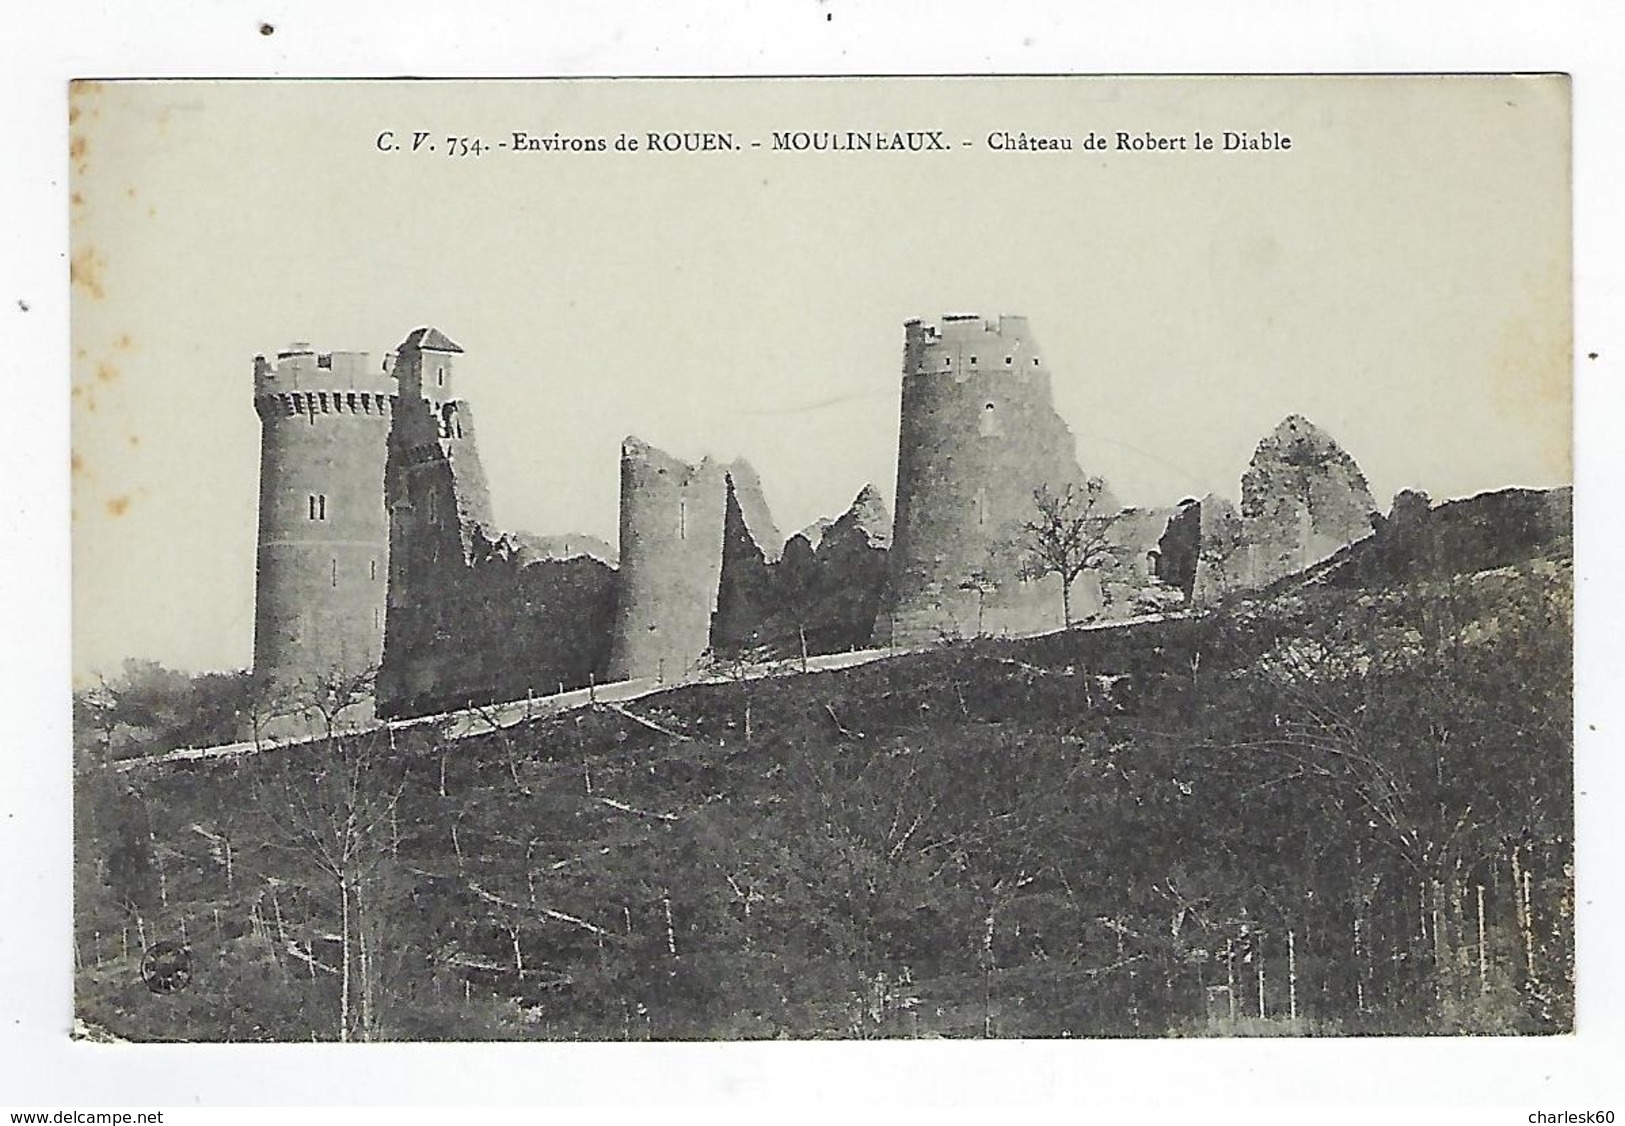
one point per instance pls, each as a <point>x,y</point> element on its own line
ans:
<point>672,521</point>
<point>378,552</point>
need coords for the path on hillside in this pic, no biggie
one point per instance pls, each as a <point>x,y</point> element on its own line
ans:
<point>476,720</point>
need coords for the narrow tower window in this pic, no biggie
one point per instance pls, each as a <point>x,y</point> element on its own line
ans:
<point>372,569</point>
<point>439,377</point>
<point>335,572</point>
<point>318,506</point>
<point>682,519</point>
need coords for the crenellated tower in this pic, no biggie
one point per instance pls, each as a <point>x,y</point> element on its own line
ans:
<point>978,434</point>
<point>323,560</point>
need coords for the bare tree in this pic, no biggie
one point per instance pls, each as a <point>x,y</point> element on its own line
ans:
<point>332,694</point>
<point>332,812</point>
<point>261,706</point>
<point>980,581</point>
<point>1068,535</point>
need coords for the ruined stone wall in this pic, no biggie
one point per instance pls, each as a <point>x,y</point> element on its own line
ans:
<point>1418,539</point>
<point>565,545</point>
<point>748,586</point>
<point>377,546</point>
<point>1132,580</point>
<point>1179,547</point>
<point>434,486</point>
<point>756,521</point>
<point>1220,560</point>
<point>475,615</point>
<point>703,569</point>
<point>978,434</point>
<point>847,577</point>
<point>500,627</point>
<point>1303,499</point>
<point>323,546</point>
<point>823,591</point>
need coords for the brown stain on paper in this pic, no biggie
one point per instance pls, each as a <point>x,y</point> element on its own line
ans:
<point>85,272</point>
<point>85,275</point>
<point>1532,381</point>
<point>78,146</point>
<point>78,150</point>
<point>79,90</point>
<point>118,506</point>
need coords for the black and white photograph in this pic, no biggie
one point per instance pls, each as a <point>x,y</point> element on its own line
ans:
<point>939,559</point>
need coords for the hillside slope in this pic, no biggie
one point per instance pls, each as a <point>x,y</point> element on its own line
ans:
<point>1342,807</point>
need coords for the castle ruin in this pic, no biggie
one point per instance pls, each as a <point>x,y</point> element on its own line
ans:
<point>705,572</point>
<point>673,518</point>
<point>378,551</point>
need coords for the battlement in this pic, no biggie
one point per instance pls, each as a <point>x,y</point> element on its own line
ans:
<point>300,370</point>
<point>309,404</point>
<point>965,344</point>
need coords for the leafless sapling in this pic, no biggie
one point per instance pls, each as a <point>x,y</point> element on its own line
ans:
<point>1067,535</point>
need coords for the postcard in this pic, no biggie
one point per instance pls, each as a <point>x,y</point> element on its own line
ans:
<point>938,558</point>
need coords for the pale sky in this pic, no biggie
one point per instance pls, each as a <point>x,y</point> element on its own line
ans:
<point>1400,276</point>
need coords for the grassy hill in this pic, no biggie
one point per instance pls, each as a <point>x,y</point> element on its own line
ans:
<point>1334,808</point>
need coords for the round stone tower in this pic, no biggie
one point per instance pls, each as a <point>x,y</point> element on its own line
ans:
<point>323,564</point>
<point>978,435</point>
<point>672,516</point>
